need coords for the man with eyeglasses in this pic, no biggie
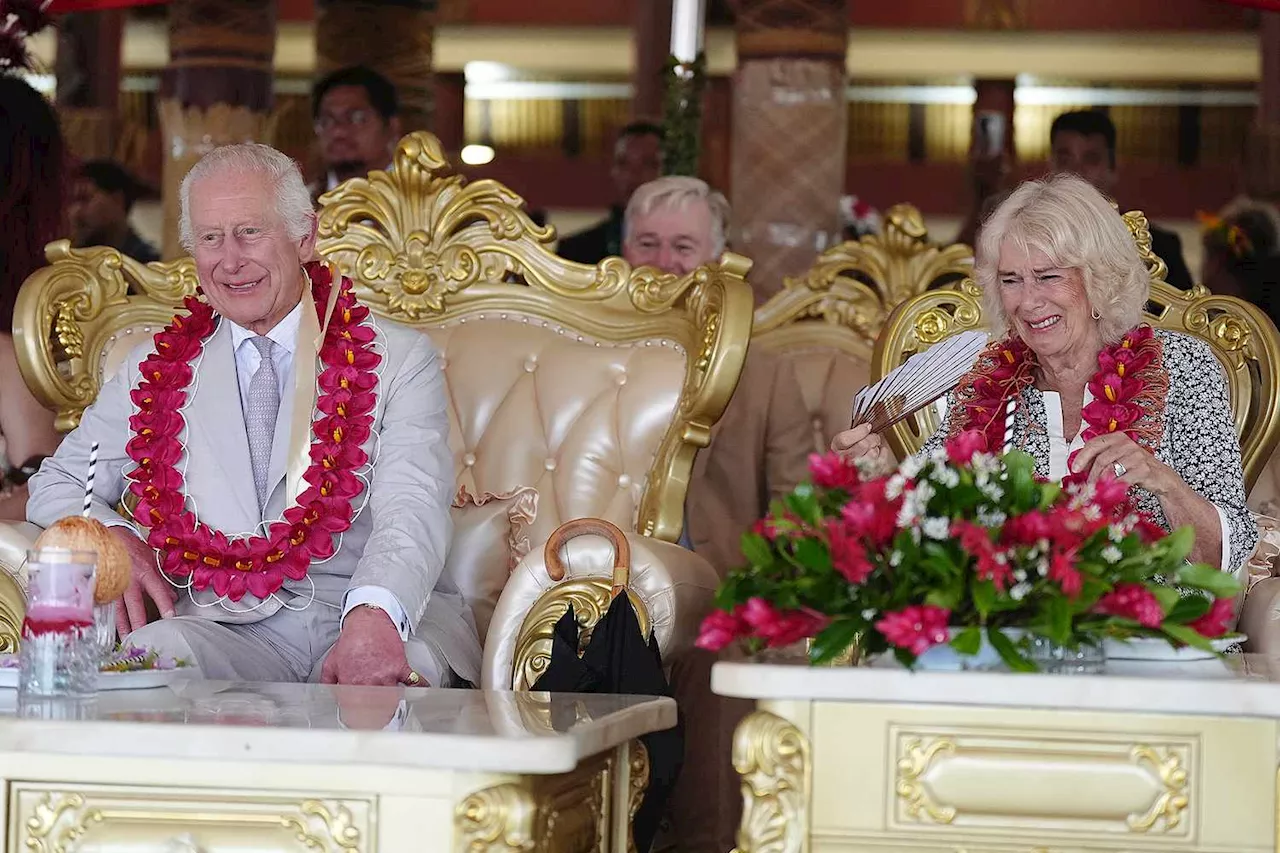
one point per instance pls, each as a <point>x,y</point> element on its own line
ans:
<point>357,124</point>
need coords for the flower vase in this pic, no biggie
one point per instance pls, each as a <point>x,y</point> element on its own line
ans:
<point>944,658</point>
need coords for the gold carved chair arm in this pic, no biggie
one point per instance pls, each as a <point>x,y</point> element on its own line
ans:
<point>71,316</point>
<point>671,588</point>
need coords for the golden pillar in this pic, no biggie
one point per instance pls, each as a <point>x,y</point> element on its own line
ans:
<point>88,71</point>
<point>1262,160</point>
<point>216,90</point>
<point>393,37</point>
<point>790,125</point>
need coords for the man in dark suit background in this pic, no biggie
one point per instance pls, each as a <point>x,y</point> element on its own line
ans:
<point>637,159</point>
<point>1084,142</point>
<point>357,124</point>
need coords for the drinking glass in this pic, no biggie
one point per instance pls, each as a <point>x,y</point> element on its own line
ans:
<point>58,655</point>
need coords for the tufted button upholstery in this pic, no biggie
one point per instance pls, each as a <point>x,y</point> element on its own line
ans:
<point>568,428</point>
<point>668,580</point>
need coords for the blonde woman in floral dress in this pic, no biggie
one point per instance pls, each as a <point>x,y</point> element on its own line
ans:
<point>1093,391</point>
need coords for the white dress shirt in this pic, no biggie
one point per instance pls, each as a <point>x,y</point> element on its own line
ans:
<point>248,359</point>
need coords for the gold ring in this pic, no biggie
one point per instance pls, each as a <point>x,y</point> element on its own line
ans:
<point>414,678</point>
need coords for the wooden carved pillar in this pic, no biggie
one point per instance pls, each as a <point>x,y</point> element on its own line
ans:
<point>1262,161</point>
<point>88,72</point>
<point>996,96</point>
<point>216,90</point>
<point>393,37</point>
<point>651,32</point>
<point>790,124</point>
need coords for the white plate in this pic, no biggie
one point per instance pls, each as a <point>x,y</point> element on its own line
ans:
<point>140,680</point>
<point>1154,649</point>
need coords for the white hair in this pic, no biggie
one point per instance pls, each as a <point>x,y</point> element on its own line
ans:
<point>677,192</point>
<point>293,202</point>
<point>1077,228</point>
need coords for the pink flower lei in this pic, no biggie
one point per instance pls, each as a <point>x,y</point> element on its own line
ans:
<point>1128,390</point>
<point>308,530</point>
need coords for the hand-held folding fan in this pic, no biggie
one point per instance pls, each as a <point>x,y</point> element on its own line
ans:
<point>924,377</point>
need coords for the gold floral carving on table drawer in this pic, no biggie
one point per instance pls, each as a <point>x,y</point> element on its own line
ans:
<point>51,819</point>
<point>569,813</point>
<point>1079,783</point>
<point>772,757</point>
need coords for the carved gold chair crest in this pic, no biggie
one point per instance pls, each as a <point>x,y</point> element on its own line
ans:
<point>827,321</point>
<point>1240,335</point>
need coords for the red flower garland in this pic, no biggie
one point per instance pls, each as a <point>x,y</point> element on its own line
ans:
<point>1128,391</point>
<point>257,564</point>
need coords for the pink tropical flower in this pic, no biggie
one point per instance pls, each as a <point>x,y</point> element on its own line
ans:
<point>1063,571</point>
<point>780,627</point>
<point>916,628</point>
<point>829,471</point>
<point>718,630</point>
<point>848,554</point>
<point>977,541</point>
<point>962,446</point>
<point>1217,621</point>
<point>1132,601</point>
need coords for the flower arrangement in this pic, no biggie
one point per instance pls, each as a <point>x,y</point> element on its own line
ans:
<point>956,546</point>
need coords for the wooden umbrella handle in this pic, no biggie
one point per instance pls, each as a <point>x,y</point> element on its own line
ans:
<point>586,526</point>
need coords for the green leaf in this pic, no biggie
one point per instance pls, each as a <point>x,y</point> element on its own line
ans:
<point>1179,543</point>
<point>803,501</point>
<point>1218,583</point>
<point>1009,653</point>
<point>813,555</point>
<point>756,549</point>
<point>1058,611</point>
<point>968,641</point>
<point>948,599</point>
<point>984,598</point>
<point>833,640</point>
<point>1189,608</point>
<point>1183,634</point>
<point>1166,595</point>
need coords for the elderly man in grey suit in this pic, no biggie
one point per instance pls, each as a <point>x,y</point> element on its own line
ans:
<point>272,550</point>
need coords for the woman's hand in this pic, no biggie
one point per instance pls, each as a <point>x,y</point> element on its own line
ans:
<point>1118,456</point>
<point>860,443</point>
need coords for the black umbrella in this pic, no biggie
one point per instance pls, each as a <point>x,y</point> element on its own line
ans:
<point>619,660</point>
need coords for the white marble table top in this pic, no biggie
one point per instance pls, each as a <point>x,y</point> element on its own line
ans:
<point>1236,686</point>
<point>469,730</point>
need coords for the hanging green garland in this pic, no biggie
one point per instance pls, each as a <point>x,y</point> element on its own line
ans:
<point>682,115</point>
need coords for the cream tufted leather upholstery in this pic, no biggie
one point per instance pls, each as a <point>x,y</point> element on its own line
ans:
<point>595,385</point>
<point>577,419</point>
<point>827,322</point>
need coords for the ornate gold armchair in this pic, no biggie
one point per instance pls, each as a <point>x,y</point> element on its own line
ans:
<point>827,321</point>
<point>593,385</point>
<point>1242,337</point>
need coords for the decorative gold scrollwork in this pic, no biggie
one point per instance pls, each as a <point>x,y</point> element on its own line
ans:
<point>57,822</point>
<point>638,785</point>
<point>910,785</point>
<point>12,611</point>
<point>320,827</point>
<point>772,757</point>
<point>496,819</point>
<point>1173,800</point>
<point>590,598</point>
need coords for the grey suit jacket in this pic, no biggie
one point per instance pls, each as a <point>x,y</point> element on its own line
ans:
<point>398,542</point>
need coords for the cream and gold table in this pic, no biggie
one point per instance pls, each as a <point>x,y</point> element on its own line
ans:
<point>1144,757</point>
<point>210,767</point>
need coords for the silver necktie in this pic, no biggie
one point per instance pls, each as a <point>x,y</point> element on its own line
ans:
<point>260,415</point>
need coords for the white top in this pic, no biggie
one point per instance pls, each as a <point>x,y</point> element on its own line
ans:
<point>285,337</point>
<point>1060,451</point>
<point>465,730</point>
<point>1237,686</point>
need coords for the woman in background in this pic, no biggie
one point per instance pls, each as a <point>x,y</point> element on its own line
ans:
<point>32,180</point>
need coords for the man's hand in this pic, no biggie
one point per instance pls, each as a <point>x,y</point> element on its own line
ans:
<point>369,651</point>
<point>131,607</point>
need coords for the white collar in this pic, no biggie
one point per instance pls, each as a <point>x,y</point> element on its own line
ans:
<point>285,333</point>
